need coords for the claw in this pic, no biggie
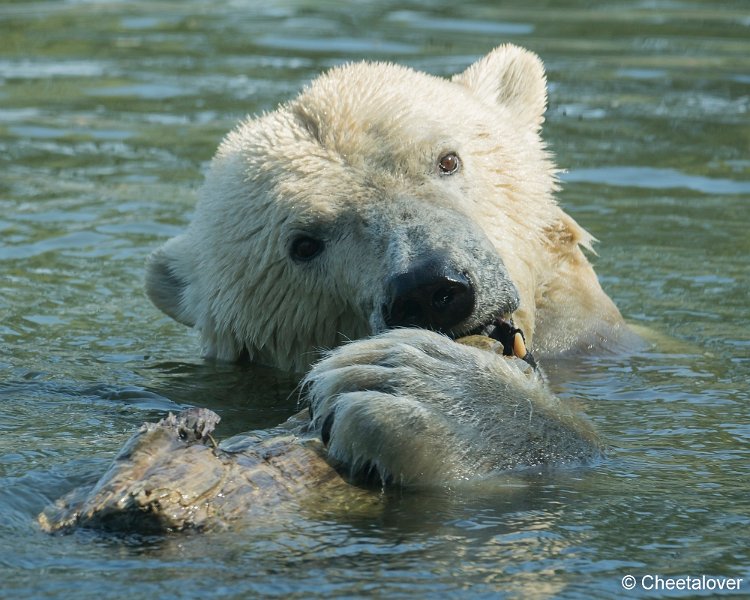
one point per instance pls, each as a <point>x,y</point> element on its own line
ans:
<point>325,430</point>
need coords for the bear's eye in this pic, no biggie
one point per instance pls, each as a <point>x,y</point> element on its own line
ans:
<point>449,164</point>
<point>305,248</point>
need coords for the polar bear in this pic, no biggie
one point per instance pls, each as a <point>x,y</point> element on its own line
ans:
<point>399,210</point>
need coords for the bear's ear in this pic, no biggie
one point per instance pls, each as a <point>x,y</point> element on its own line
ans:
<point>166,282</point>
<point>512,77</point>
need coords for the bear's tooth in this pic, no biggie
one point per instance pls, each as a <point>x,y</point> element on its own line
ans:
<point>519,346</point>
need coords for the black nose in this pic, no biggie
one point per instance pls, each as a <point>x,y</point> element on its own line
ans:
<point>431,295</point>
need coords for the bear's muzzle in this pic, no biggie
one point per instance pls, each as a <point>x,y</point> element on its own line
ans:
<point>432,294</point>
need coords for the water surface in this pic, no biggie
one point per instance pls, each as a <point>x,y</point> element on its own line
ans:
<point>109,112</point>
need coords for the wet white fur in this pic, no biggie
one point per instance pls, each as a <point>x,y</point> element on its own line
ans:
<point>423,410</point>
<point>356,147</point>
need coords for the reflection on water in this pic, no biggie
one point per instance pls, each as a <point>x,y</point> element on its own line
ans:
<point>657,179</point>
<point>108,114</point>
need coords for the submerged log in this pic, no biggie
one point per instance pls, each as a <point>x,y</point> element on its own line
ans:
<point>171,476</point>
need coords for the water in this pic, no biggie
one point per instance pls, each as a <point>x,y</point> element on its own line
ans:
<point>108,114</point>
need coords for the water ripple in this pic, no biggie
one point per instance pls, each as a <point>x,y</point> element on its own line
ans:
<point>656,178</point>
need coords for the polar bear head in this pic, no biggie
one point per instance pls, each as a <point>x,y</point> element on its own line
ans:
<point>380,197</point>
